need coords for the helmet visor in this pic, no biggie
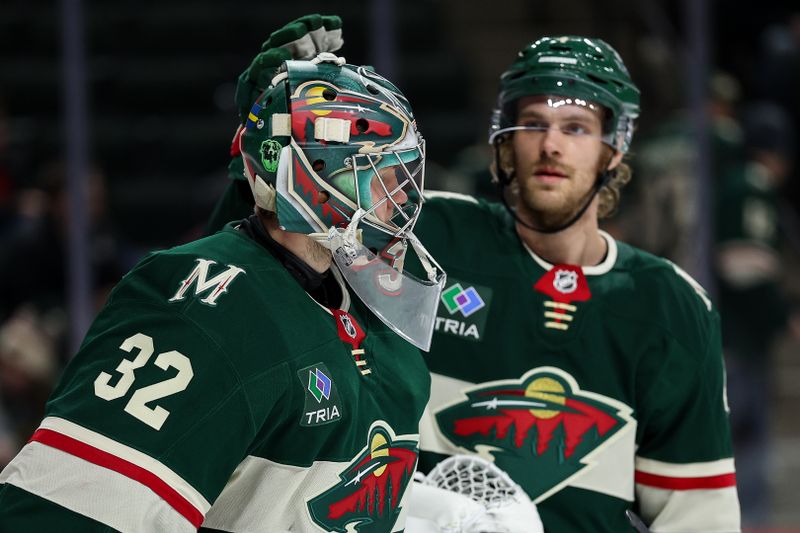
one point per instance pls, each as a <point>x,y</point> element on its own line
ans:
<point>571,116</point>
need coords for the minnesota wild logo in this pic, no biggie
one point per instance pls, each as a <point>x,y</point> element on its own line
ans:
<point>542,429</point>
<point>314,99</point>
<point>367,499</point>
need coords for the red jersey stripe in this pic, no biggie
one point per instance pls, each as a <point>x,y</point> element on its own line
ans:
<point>686,483</point>
<point>121,466</point>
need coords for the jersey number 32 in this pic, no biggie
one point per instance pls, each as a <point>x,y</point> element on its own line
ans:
<point>137,405</point>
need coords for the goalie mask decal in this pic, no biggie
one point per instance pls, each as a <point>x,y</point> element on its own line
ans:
<point>542,429</point>
<point>368,497</point>
<point>317,98</point>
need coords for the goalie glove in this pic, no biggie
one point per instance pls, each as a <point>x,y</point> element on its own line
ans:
<point>467,494</point>
<point>303,38</point>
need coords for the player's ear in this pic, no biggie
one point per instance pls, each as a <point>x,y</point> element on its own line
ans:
<point>615,160</point>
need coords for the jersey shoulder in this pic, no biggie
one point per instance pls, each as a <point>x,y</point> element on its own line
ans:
<point>211,264</point>
<point>668,295</point>
<point>457,206</point>
<point>451,220</point>
<point>225,287</point>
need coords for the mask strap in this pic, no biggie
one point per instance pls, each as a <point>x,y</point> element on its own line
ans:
<point>351,233</point>
<point>428,262</point>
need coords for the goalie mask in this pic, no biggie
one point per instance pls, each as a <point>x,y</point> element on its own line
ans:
<point>333,149</point>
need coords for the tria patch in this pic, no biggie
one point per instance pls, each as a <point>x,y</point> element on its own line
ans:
<point>564,284</point>
<point>319,385</point>
<point>368,496</point>
<point>463,310</point>
<point>322,404</point>
<point>541,429</point>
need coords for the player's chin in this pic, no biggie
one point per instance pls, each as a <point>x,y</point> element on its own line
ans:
<point>385,215</point>
<point>544,199</point>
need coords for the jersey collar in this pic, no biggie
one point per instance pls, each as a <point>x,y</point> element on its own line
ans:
<point>605,266</point>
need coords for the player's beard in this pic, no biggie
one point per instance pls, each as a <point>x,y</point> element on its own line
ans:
<point>543,214</point>
<point>317,255</point>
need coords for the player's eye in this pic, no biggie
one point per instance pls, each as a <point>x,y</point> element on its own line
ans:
<point>575,128</point>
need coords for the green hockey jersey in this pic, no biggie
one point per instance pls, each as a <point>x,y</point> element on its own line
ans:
<point>598,389</point>
<point>213,391</point>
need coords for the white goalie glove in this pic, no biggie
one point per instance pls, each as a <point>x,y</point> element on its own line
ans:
<point>468,494</point>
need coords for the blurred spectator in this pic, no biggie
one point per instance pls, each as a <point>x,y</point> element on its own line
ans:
<point>33,301</point>
<point>753,309</point>
<point>33,255</point>
<point>468,174</point>
<point>778,69</point>
<point>665,165</point>
<point>28,367</point>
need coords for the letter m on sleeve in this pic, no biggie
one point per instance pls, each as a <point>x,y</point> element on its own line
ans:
<point>215,287</point>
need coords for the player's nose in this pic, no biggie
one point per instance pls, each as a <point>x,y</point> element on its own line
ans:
<point>551,141</point>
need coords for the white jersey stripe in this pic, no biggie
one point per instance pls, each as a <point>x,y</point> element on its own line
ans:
<point>448,195</point>
<point>259,496</point>
<point>104,495</point>
<point>596,270</point>
<point>706,469</point>
<point>157,468</point>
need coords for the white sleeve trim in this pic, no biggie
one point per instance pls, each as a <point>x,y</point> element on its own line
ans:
<point>92,491</point>
<point>707,510</point>
<point>704,469</point>
<point>157,468</point>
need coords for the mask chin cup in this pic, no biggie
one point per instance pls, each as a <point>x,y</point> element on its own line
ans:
<point>406,304</point>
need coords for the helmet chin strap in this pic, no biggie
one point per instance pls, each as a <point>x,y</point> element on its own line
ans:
<point>504,180</point>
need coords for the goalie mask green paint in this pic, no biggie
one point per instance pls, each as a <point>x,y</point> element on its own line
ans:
<point>331,138</point>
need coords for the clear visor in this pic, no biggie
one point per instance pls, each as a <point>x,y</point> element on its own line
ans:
<point>403,302</point>
<point>572,117</point>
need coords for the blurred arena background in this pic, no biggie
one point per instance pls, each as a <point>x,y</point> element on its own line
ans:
<point>149,87</point>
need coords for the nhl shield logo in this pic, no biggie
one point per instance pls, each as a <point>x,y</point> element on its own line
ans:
<point>565,281</point>
<point>348,326</point>
<point>540,429</point>
<point>368,496</point>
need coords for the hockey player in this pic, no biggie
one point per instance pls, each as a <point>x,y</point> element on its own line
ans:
<point>588,370</point>
<point>234,383</point>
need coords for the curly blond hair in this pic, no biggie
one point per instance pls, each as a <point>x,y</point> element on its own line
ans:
<point>609,194</point>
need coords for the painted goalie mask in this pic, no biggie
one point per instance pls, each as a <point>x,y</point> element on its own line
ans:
<point>333,149</point>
